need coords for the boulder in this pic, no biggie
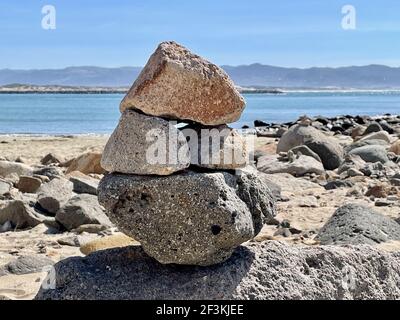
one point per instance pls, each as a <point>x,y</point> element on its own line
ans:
<point>54,194</point>
<point>192,218</point>
<point>49,172</point>
<point>178,84</point>
<point>51,158</point>
<point>351,162</point>
<point>27,264</point>
<point>145,145</point>
<point>256,271</point>
<point>371,153</point>
<point>330,152</point>
<point>358,224</point>
<point>381,135</point>
<point>216,147</point>
<point>28,184</point>
<point>306,151</point>
<point>327,148</point>
<point>9,168</point>
<point>300,165</point>
<point>395,147</point>
<point>22,215</point>
<point>373,127</point>
<point>83,183</point>
<point>80,210</point>
<point>5,187</point>
<point>87,163</point>
<point>337,184</point>
<point>359,144</point>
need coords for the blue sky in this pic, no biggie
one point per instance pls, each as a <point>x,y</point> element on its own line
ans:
<point>296,33</point>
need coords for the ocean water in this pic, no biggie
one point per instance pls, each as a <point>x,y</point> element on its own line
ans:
<point>93,113</point>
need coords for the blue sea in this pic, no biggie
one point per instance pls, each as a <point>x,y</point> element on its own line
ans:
<point>99,113</point>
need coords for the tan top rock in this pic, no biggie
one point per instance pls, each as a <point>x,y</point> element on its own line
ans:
<point>178,84</point>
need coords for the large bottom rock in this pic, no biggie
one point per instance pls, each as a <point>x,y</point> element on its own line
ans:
<point>269,270</point>
<point>192,218</point>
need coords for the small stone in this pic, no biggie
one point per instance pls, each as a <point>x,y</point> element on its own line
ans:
<point>178,84</point>
<point>378,191</point>
<point>395,147</point>
<point>71,241</point>
<point>373,127</point>
<point>304,150</point>
<point>49,172</point>
<point>54,194</point>
<point>381,135</point>
<point>109,242</point>
<point>87,163</point>
<point>299,166</point>
<point>28,264</point>
<point>80,210</point>
<point>5,187</point>
<point>383,203</point>
<point>28,184</point>
<point>7,168</point>
<point>371,153</point>
<point>352,172</point>
<point>21,215</point>
<point>337,184</point>
<point>51,158</point>
<point>83,183</point>
<point>90,228</point>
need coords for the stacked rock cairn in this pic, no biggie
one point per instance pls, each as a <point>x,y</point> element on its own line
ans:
<point>178,177</point>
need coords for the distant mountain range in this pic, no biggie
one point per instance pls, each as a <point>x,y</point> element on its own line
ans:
<point>255,75</point>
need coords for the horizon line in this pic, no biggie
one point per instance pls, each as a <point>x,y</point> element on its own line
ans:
<point>222,66</point>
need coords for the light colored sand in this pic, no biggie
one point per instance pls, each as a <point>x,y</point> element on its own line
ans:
<point>33,149</point>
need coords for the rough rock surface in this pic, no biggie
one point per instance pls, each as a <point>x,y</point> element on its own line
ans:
<point>26,264</point>
<point>395,147</point>
<point>300,166</point>
<point>216,147</point>
<point>5,187</point>
<point>178,84</point>
<point>145,145</point>
<point>28,184</point>
<point>83,183</point>
<point>327,148</point>
<point>358,224</point>
<point>381,135</point>
<point>191,218</point>
<point>80,210</point>
<point>372,153</point>
<point>21,215</point>
<point>87,163</point>
<point>306,151</point>
<point>20,169</point>
<point>264,271</point>
<point>54,194</point>
<point>364,143</point>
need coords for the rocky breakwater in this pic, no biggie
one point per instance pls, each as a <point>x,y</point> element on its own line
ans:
<point>177,180</point>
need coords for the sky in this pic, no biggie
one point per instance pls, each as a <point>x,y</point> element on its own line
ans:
<point>291,33</point>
